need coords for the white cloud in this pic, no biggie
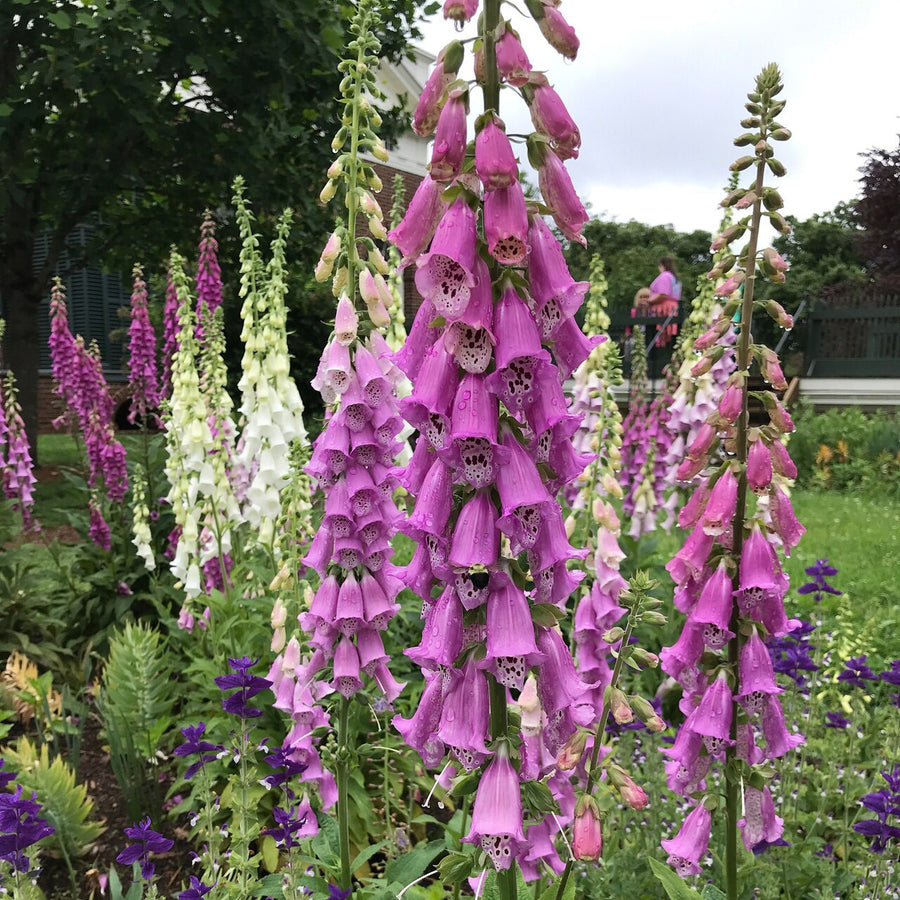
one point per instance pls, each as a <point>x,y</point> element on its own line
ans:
<point>658,92</point>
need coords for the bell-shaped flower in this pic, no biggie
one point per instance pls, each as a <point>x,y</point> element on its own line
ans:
<point>784,522</point>
<point>473,451</point>
<point>427,408</point>
<point>558,684</point>
<point>460,10</point>
<point>689,514</point>
<point>781,460</point>
<point>495,162</point>
<point>759,823</point>
<point>759,466</point>
<point>756,674</point>
<point>521,494</point>
<point>511,647</point>
<point>506,224</point>
<point>512,61</point>
<point>465,716</point>
<point>689,846</point>
<point>555,292</point>
<point>378,605</point>
<point>691,558</point>
<point>420,731</point>
<point>433,504</point>
<point>445,275</point>
<point>471,339</point>
<point>571,346</point>
<point>370,650</point>
<point>560,195</point>
<point>449,150</point>
<point>349,612</point>
<point>551,118</point>
<point>476,538</point>
<point>497,812</point>
<point>346,668</point>
<point>587,833</point>
<point>559,33</point>
<point>409,358</point>
<point>442,634</point>
<point>376,388</point>
<point>433,97</point>
<point>779,740</point>
<point>713,609</point>
<point>720,507</point>
<point>762,585</point>
<point>416,229</point>
<point>712,717</point>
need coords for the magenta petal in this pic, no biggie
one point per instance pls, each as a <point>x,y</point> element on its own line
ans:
<point>421,336</point>
<point>495,162</point>
<point>476,539</point>
<point>759,822</point>
<point>518,482</point>
<point>779,740</point>
<point>433,504</point>
<point>689,846</point>
<point>423,214</point>
<point>346,668</point>
<point>720,506</point>
<point>465,716</point>
<point>757,674</point>
<point>497,813</point>
<point>449,148</point>
<point>420,731</point>
<point>518,334</point>
<point>559,194</point>
<point>506,224</point>
<point>442,635</point>
<point>759,466</point>
<point>785,523</point>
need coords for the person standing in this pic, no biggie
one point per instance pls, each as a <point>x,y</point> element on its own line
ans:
<point>665,295</point>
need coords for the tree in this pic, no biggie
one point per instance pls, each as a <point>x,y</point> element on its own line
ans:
<point>141,114</point>
<point>630,252</point>
<point>878,215</point>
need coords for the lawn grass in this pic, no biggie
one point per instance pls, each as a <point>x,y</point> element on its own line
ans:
<point>55,496</point>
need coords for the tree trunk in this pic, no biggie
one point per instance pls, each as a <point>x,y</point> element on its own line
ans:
<point>21,304</point>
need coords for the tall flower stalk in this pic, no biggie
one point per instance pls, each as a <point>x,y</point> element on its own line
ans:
<point>352,460</point>
<point>488,351</point>
<point>729,580</point>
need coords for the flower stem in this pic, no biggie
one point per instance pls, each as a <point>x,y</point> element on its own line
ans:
<point>343,785</point>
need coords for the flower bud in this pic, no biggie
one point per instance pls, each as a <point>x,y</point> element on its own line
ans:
<point>771,368</point>
<point>731,403</point>
<point>644,658</point>
<point>647,714</point>
<point>703,441</point>
<point>339,284</point>
<point>618,706</point>
<point>780,134</point>
<point>613,635</point>
<point>376,228</point>
<point>378,261</point>
<point>570,524</point>
<point>779,314</point>
<point>712,336</point>
<point>378,314</point>
<point>776,166</point>
<point>587,835</point>
<point>726,288</point>
<point>559,34</point>
<point>772,199</point>
<point>369,205</point>
<point>707,361</point>
<point>743,163</point>
<point>611,486</point>
<point>345,322</point>
<point>747,200</point>
<point>634,796</point>
<point>652,617</point>
<point>571,753</point>
<point>328,191</point>
<point>732,233</point>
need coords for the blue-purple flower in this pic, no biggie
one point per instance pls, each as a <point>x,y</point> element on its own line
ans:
<point>289,823</point>
<point>20,827</point>
<point>835,720</point>
<point>194,745</point>
<point>856,672</point>
<point>886,805</point>
<point>248,686</point>
<point>819,586</point>
<point>791,653</point>
<point>146,841</point>
<point>197,890</point>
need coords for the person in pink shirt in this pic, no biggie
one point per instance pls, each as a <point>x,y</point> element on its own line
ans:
<point>665,294</point>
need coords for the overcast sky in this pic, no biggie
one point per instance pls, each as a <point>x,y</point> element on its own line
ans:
<point>658,91</point>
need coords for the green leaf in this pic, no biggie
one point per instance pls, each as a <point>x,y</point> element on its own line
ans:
<point>269,850</point>
<point>568,893</point>
<point>5,110</point>
<point>60,19</point>
<point>674,887</point>
<point>545,614</point>
<point>270,886</point>
<point>711,892</point>
<point>410,866</point>
<point>537,797</point>
<point>365,855</point>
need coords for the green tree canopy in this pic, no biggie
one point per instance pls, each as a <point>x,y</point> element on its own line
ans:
<point>142,114</point>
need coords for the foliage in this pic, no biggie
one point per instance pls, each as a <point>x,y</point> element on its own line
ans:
<point>878,215</point>
<point>846,449</point>
<point>630,252</point>
<point>66,804</point>
<point>135,703</point>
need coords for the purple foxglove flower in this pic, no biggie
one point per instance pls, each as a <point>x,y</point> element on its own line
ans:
<point>449,149</point>
<point>346,668</point>
<point>376,388</point>
<point>552,545</point>
<point>512,61</point>
<point>432,99</point>
<point>784,522</point>
<point>349,613</point>
<point>473,451</point>
<point>495,162</point>
<point>497,813</point>
<point>551,283</point>
<point>771,369</point>
<point>471,338</point>
<point>686,774</point>
<point>433,504</point>
<point>370,650</point>
<point>420,731</point>
<point>571,346</point>
<point>759,824</point>
<point>759,466</point>
<point>779,740</point>
<point>551,118</point>
<point>99,529</point>
<point>147,841</point>
<point>511,647</point>
<point>465,716</point>
<point>476,539</point>
<point>444,275</point>
<point>762,585</point>
<point>560,195</point>
<point>559,33</point>
<point>587,832</point>
<point>756,674</point>
<point>781,460</point>
<point>143,377</point>
<point>730,404</point>
<point>506,224</point>
<point>691,558</point>
<point>712,717</point>
<point>415,231</point>
<point>721,505</point>
<point>690,468</point>
<point>442,635</point>
<point>460,10</point>
<point>521,494</point>
<point>427,408</point>
<point>689,846</point>
<point>561,691</point>
<point>703,442</point>
<point>714,607</point>
<point>690,513</point>
<point>378,606</point>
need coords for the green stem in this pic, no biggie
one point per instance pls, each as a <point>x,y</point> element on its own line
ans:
<point>462,831</point>
<point>732,778</point>
<point>243,855</point>
<point>343,785</point>
<point>352,200</point>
